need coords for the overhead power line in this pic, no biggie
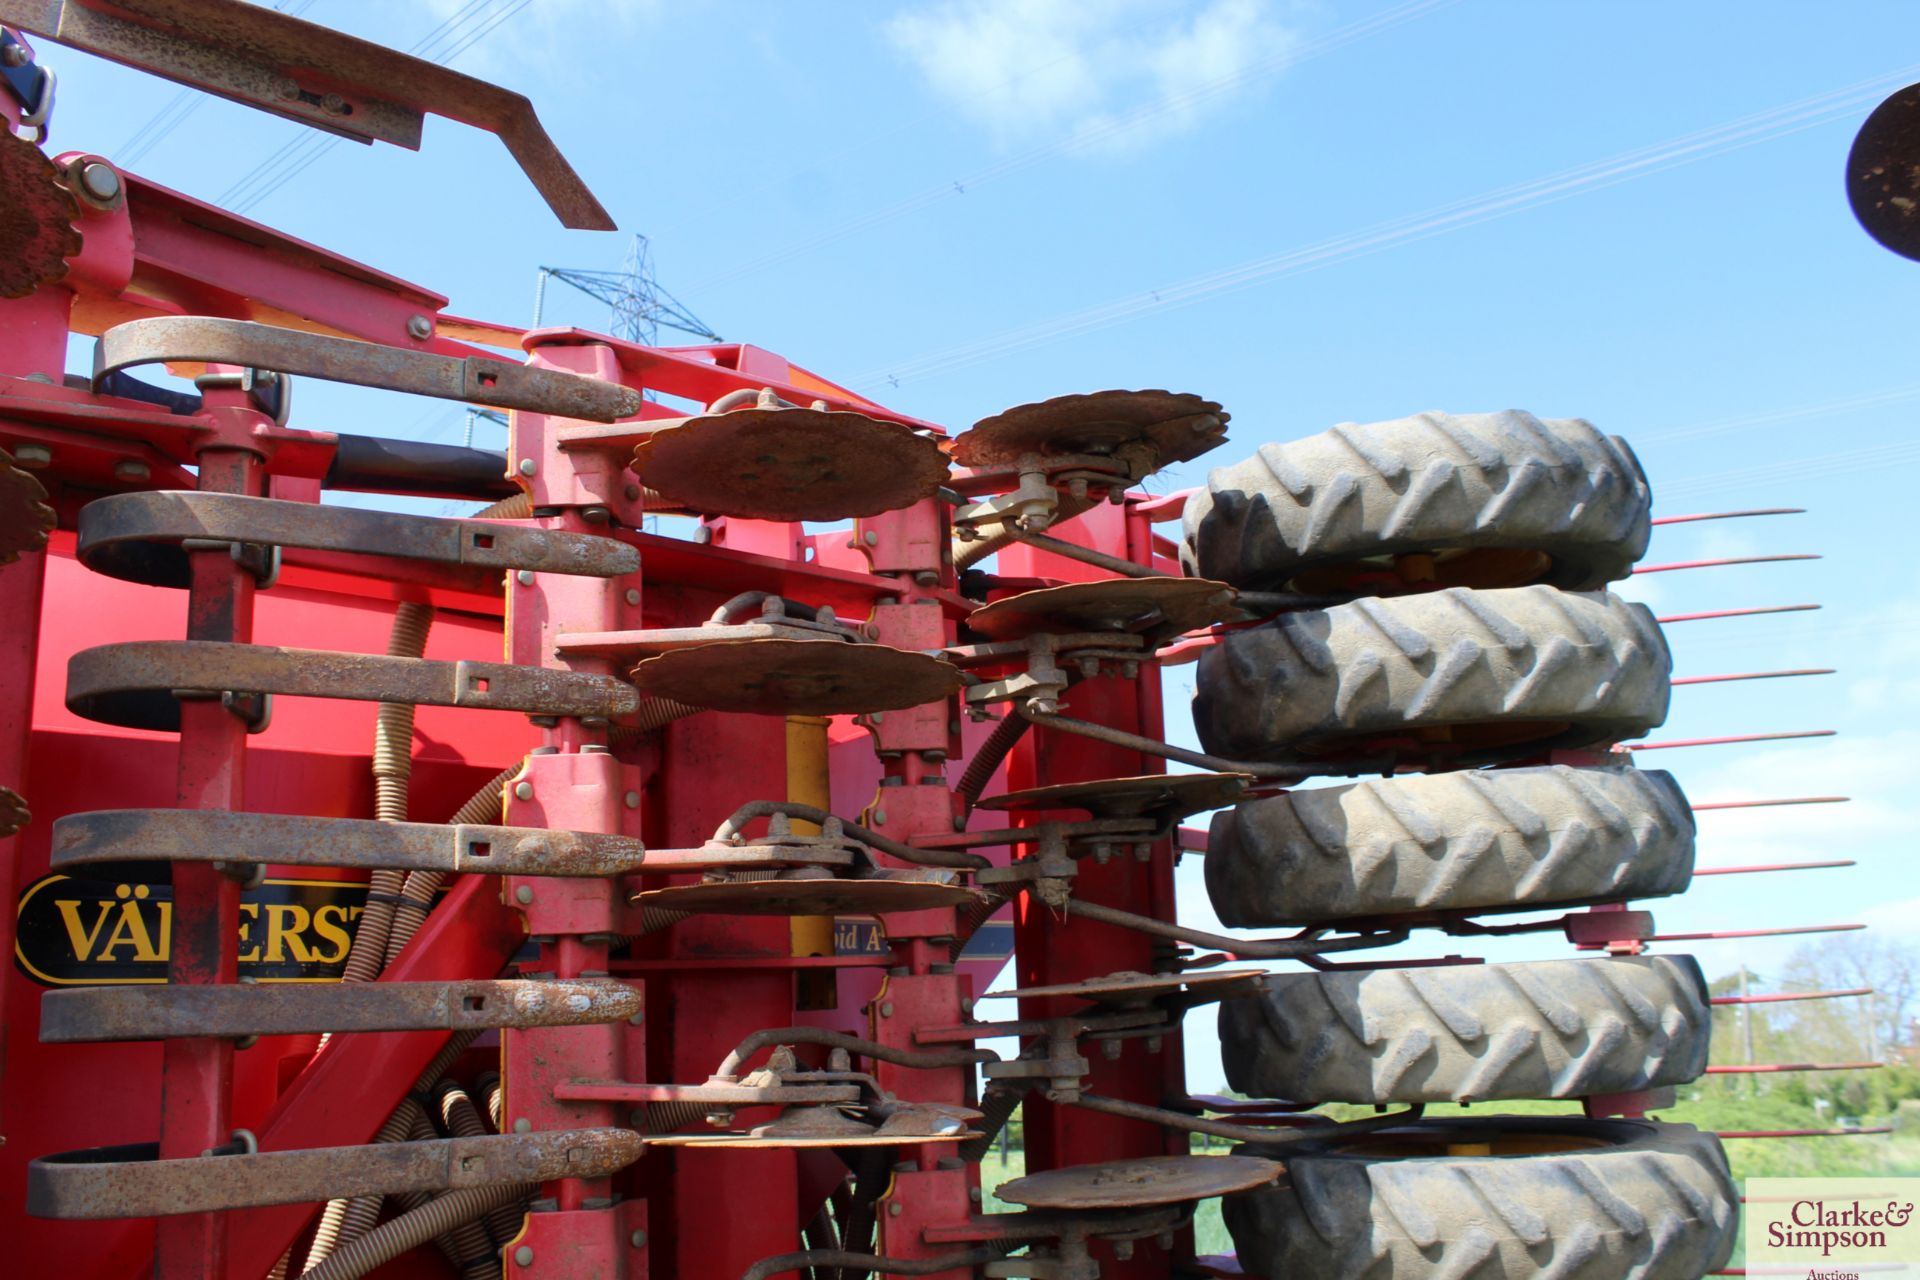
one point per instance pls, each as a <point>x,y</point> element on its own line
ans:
<point>179,107</point>
<point>1674,153</point>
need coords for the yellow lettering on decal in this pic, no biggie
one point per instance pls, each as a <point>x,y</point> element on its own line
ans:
<point>249,945</point>
<point>131,931</point>
<point>78,936</point>
<point>334,933</point>
<point>283,935</point>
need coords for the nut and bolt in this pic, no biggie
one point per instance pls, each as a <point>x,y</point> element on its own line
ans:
<point>638,1239</point>
<point>335,105</point>
<point>98,181</point>
<point>528,466</point>
<point>871,538</point>
<point>523,895</point>
<point>523,1256</point>
<point>131,470</point>
<point>419,328</point>
<point>893,1209</point>
<point>631,493</point>
<point>631,799</point>
<point>33,457</point>
<point>886,1008</point>
<point>524,577</point>
<point>523,1125</point>
<point>633,595</point>
<point>16,55</point>
<point>523,791</point>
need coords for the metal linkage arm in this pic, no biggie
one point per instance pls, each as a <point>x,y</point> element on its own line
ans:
<point>730,829</point>
<point>924,1059</point>
<point>1241,1132</point>
<point>503,384</point>
<point>132,1182</point>
<point>1307,943</point>
<point>313,74</point>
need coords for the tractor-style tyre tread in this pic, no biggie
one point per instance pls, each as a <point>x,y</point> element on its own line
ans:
<point>1431,482</point>
<point>1587,667</point>
<point>1621,1200</point>
<point>1480,840</point>
<point>1470,1033</point>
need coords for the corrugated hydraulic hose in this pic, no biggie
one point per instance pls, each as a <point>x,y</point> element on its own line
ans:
<point>417,1226</point>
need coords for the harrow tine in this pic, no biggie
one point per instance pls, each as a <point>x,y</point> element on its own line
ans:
<point>1726,740</point>
<point>1729,515</point>
<point>1752,675</point>
<point>1781,997</point>
<point>1722,562</point>
<point>1735,613</point>
<point>1765,804</point>
<point>1753,933</point>
<point>1775,866</point>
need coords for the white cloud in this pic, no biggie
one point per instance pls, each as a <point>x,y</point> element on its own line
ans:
<point>1109,75</point>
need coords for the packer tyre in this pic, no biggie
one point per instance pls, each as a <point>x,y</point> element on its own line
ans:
<point>1470,1033</point>
<point>1458,676</point>
<point>1569,1198</point>
<point>1497,840</point>
<point>1484,499</point>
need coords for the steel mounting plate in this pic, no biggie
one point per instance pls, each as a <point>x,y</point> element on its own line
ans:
<point>790,464</point>
<point>37,234</point>
<point>313,74</point>
<point>797,677</point>
<point>1158,795</point>
<point>25,517</point>
<point>1132,988</point>
<point>1146,430</point>
<point>1133,1184</point>
<point>808,897</point>
<point>1137,606</point>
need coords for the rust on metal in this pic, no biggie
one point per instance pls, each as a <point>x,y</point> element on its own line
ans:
<point>789,463</point>
<point>132,1182</point>
<point>13,811</point>
<point>219,835</point>
<point>726,1095</point>
<point>1148,606</point>
<point>89,1014</point>
<point>134,536</point>
<point>1150,1180</point>
<point>1135,988</point>
<point>1143,430</point>
<point>1165,797</point>
<point>504,384</point>
<point>809,897</point>
<point>37,232</point>
<point>634,645</point>
<point>797,677</point>
<point>135,684</point>
<point>313,74</point>
<point>25,517</point>
<point>829,1126</point>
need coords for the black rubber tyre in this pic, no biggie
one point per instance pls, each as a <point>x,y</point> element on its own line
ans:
<point>1456,677</point>
<point>1470,1033</point>
<point>1480,840</point>
<point>1571,1199</point>
<point>1495,499</point>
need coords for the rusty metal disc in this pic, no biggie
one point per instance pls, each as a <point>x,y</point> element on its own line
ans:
<point>1138,606</point>
<point>775,677</point>
<point>1159,795</point>
<point>1131,988</point>
<point>808,897</point>
<point>1146,430</point>
<point>25,517</point>
<point>828,1126</point>
<point>37,234</point>
<point>1883,173</point>
<point>13,811</point>
<point>1134,1184</point>
<point>790,464</point>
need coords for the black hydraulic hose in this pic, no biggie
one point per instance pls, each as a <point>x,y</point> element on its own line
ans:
<point>375,464</point>
<point>925,1059</point>
<point>980,770</point>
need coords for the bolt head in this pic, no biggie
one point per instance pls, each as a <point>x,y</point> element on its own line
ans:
<point>893,1209</point>
<point>871,538</point>
<point>16,55</point>
<point>33,456</point>
<point>523,1256</point>
<point>99,180</point>
<point>523,895</point>
<point>419,328</point>
<point>131,470</point>
<point>523,791</point>
<point>524,577</point>
<point>631,799</point>
<point>638,1239</point>
<point>886,1009</point>
<point>633,596</point>
<point>528,466</point>
<point>523,1125</point>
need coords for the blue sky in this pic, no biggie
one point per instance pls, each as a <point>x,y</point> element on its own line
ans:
<point>1314,213</point>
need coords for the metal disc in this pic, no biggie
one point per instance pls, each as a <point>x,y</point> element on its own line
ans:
<point>807,897</point>
<point>1155,795</point>
<point>1146,429</point>
<point>742,1140</point>
<point>1131,988</point>
<point>37,234</point>
<point>797,677</point>
<point>1883,173</point>
<point>828,1126</point>
<point>13,811</point>
<point>25,517</point>
<point>1159,606</point>
<point>790,464</point>
<point>1134,1184</point>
